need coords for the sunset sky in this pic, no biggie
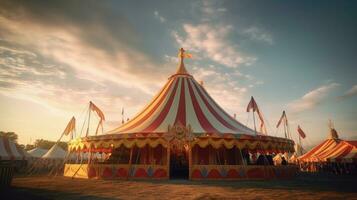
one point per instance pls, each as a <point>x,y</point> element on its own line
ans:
<point>56,56</point>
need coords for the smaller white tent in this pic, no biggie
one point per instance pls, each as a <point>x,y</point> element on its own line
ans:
<point>56,152</point>
<point>37,152</point>
<point>10,151</point>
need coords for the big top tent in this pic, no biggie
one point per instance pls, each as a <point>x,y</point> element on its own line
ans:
<point>181,131</point>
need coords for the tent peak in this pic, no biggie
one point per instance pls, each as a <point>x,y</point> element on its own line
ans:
<point>181,67</point>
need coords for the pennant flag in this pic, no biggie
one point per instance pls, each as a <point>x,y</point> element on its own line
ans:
<point>252,105</point>
<point>70,126</point>
<point>94,108</point>
<point>100,114</point>
<point>183,54</point>
<point>301,132</point>
<point>283,117</point>
<point>262,123</point>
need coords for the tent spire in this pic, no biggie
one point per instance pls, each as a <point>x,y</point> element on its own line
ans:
<point>181,67</point>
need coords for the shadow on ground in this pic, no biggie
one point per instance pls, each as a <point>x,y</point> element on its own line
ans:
<point>21,193</point>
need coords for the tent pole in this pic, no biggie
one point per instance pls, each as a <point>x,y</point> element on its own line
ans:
<point>285,130</point>
<point>130,161</point>
<point>255,128</point>
<point>243,161</point>
<point>168,149</point>
<point>300,149</point>
<point>189,160</point>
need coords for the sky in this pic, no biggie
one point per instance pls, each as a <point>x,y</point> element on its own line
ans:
<point>298,56</point>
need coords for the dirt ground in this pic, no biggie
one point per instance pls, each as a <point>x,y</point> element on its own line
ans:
<point>303,187</point>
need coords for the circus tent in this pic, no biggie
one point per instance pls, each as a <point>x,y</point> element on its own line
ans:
<point>182,122</point>
<point>332,149</point>
<point>10,151</point>
<point>37,152</point>
<point>318,153</point>
<point>12,158</point>
<point>56,152</point>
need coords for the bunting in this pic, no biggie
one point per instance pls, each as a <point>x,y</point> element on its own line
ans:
<point>301,132</point>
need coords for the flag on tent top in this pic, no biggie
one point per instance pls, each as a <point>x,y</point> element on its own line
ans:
<point>184,54</point>
<point>301,132</point>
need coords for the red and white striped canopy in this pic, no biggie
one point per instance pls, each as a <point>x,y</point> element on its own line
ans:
<point>317,153</point>
<point>183,101</point>
<point>345,151</point>
<point>9,151</point>
<point>333,150</point>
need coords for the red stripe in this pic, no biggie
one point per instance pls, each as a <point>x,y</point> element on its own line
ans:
<point>152,110</point>
<point>7,148</point>
<point>181,111</point>
<point>321,153</point>
<point>346,152</point>
<point>313,150</point>
<point>210,108</point>
<point>201,117</point>
<point>338,150</point>
<point>156,123</point>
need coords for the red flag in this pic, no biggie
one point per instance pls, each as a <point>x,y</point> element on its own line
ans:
<point>283,117</point>
<point>301,132</point>
<point>262,123</point>
<point>252,105</point>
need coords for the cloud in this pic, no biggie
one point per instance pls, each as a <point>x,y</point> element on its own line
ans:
<point>213,42</point>
<point>61,55</point>
<point>349,93</point>
<point>159,17</point>
<point>312,99</point>
<point>257,34</point>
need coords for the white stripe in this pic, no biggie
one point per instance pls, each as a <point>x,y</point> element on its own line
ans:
<point>171,116</point>
<point>242,129</point>
<point>191,116</point>
<point>143,112</point>
<point>153,117</point>
<point>209,116</point>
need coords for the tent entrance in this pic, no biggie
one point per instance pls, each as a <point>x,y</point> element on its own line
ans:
<point>179,165</point>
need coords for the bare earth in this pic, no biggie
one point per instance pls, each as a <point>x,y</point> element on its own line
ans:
<point>303,187</point>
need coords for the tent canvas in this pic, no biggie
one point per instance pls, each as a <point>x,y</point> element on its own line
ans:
<point>37,152</point>
<point>56,152</point>
<point>9,150</point>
